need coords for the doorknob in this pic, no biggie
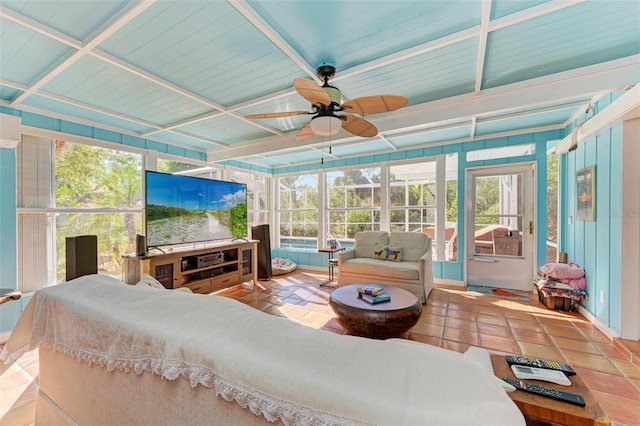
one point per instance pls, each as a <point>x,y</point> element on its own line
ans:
<point>530,227</point>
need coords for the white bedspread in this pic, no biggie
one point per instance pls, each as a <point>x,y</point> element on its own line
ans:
<point>277,368</point>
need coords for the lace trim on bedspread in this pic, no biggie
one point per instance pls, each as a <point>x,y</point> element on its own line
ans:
<point>259,403</point>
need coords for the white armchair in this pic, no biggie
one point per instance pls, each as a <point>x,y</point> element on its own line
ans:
<point>413,271</point>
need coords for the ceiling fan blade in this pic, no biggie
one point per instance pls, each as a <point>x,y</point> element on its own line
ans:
<point>375,104</point>
<point>305,133</point>
<point>311,91</point>
<point>359,126</point>
<point>277,114</point>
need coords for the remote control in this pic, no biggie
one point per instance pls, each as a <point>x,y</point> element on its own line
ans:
<point>540,363</point>
<point>558,395</point>
<point>553,376</point>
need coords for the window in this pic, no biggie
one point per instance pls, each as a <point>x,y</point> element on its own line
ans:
<point>67,189</point>
<point>175,167</point>
<point>418,202</point>
<point>502,152</point>
<point>353,202</point>
<point>258,205</point>
<point>412,197</point>
<point>298,211</point>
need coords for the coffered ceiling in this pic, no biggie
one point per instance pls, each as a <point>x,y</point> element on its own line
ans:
<point>187,72</point>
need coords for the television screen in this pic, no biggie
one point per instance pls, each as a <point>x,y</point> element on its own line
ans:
<point>185,209</point>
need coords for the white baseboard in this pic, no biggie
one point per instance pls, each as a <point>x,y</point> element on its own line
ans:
<point>597,323</point>
<point>315,268</point>
<point>454,283</point>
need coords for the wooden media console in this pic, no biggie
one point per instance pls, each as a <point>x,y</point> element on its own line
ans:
<point>203,269</point>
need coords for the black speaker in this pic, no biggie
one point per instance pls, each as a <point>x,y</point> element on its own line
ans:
<point>82,256</point>
<point>261,233</point>
<point>141,245</point>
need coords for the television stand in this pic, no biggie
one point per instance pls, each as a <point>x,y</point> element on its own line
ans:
<point>206,269</point>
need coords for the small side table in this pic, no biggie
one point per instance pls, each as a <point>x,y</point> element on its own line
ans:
<point>332,263</point>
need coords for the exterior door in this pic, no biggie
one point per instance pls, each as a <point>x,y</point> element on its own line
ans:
<point>500,237</point>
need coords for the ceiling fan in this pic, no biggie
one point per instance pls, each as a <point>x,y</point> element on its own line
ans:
<point>329,115</point>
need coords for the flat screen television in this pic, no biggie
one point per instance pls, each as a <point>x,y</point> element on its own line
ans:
<point>185,209</point>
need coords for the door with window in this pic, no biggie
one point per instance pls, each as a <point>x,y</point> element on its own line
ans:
<point>500,237</point>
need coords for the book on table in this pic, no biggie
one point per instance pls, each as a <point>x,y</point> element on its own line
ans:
<point>371,290</point>
<point>381,298</point>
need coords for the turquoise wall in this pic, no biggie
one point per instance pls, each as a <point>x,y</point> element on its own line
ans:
<point>8,243</point>
<point>596,246</point>
<point>8,224</point>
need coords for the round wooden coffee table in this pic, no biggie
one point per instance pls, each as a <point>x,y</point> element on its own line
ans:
<point>379,321</point>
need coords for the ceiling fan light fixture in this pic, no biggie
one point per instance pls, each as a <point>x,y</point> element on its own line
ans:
<point>326,125</point>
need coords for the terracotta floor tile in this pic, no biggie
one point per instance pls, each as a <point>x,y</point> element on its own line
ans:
<point>460,323</point>
<point>292,300</point>
<point>595,335</point>
<point>576,345</point>
<point>570,332</point>
<point>494,330</point>
<point>489,310</point>
<point>460,306</point>
<point>316,318</point>
<point>491,319</point>
<point>15,397</point>
<point>432,319</point>
<point>523,315</point>
<point>461,335</point>
<point>536,350</point>
<point>460,299</point>
<point>532,336</point>
<point>464,315</point>
<point>439,303</point>
<point>436,310</point>
<point>22,411</point>
<point>628,369</point>
<point>525,325</point>
<point>260,304</point>
<point>609,350</point>
<point>427,329</point>
<point>507,345</point>
<point>609,383</point>
<point>618,409</point>
<point>589,361</point>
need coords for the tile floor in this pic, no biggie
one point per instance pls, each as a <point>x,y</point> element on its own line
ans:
<point>451,319</point>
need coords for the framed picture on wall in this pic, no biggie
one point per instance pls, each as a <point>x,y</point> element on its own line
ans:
<point>586,194</point>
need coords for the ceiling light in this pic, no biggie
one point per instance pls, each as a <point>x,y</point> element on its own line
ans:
<point>326,125</point>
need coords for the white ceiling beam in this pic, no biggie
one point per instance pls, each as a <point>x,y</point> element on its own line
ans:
<point>13,84</point>
<point>94,108</point>
<point>451,142</point>
<point>530,112</point>
<point>387,141</point>
<point>39,28</point>
<point>556,88</point>
<point>531,13</point>
<point>482,44</point>
<point>118,21</point>
<point>252,16</point>
<point>474,120</point>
